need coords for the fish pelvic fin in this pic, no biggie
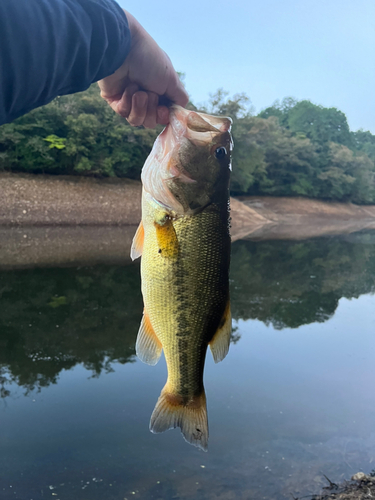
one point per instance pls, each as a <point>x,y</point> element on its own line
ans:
<point>219,344</point>
<point>172,411</point>
<point>137,245</point>
<point>148,347</point>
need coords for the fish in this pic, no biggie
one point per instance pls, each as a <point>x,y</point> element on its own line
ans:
<point>184,241</point>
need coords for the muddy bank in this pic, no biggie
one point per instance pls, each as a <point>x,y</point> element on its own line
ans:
<point>45,200</point>
<point>301,218</point>
<point>69,221</point>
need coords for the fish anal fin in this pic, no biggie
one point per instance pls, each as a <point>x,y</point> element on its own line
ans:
<point>137,245</point>
<point>219,344</point>
<point>166,236</point>
<point>171,411</point>
<point>148,347</point>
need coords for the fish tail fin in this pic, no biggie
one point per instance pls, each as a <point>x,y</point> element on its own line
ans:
<point>171,411</point>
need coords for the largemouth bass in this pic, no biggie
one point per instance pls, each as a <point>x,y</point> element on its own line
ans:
<point>184,241</point>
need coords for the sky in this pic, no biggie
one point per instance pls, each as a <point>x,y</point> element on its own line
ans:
<point>321,50</point>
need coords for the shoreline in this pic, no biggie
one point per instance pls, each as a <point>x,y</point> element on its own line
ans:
<point>65,221</point>
<point>47,200</point>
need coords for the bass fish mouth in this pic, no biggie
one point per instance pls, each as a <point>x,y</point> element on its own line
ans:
<point>199,128</point>
<point>163,166</point>
<point>198,122</point>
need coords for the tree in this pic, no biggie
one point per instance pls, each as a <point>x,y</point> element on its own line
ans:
<point>347,177</point>
<point>279,110</point>
<point>364,142</point>
<point>292,148</point>
<point>237,107</point>
<point>268,159</point>
<point>75,134</point>
<point>319,124</point>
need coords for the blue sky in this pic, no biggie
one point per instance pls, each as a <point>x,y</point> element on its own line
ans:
<point>318,50</point>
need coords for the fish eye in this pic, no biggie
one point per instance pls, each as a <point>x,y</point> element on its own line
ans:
<point>220,153</point>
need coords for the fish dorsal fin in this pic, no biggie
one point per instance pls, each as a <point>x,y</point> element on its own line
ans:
<point>137,245</point>
<point>166,236</point>
<point>219,344</point>
<point>148,347</point>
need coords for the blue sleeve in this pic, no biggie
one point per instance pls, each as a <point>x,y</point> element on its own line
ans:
<point>56,47</point>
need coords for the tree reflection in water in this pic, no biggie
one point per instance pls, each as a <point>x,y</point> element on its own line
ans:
<point>54,319</point>
<point>290,284</point>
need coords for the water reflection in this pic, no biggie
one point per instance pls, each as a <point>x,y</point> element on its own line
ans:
<point>290,284</point>
<point>283,407</point>
<point>54,319</point>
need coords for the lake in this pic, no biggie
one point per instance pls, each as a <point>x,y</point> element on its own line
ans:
<point>293,400</point>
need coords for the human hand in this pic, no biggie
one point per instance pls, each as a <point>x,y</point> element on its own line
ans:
<point>147,73</point>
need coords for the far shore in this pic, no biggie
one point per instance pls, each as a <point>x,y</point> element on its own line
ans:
<point>60,220</point>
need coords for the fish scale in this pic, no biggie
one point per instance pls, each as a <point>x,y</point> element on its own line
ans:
<point>184,241</point>
<point>184,298</point>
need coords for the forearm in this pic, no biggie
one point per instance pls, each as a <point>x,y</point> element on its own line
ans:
<point>56,47</point>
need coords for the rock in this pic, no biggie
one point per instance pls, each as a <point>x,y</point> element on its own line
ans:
<point>360,476</point>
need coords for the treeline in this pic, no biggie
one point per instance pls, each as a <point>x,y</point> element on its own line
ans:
<point>76,134</point>
<point>296,148</point>
<point>293,148</point>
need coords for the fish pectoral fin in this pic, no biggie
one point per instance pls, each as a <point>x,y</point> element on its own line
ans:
<point>148,347</point>
<point>219,344</point>
<point>166,236</point>
<point>137,245</point>
<point>171,411</point>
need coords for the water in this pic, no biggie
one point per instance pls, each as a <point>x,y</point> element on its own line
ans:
<point>294,398</point>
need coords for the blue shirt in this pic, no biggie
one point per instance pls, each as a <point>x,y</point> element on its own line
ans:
<point>56,47</point>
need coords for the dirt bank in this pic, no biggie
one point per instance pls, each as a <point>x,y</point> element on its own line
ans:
<point>45,200</point>
<point>301,218</point>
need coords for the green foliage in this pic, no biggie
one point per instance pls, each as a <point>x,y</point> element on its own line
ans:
<point>55,142</point>
<point>364,142</point>
<point>236,107</point>
<point>307,150</point>
<point>75,134</point>
<point>346,176</point>
<point>249,165</point>
<point>319,124</point>
<point>292,148</point>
